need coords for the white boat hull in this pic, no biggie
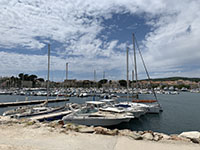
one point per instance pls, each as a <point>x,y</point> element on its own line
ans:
<point>100,121</point>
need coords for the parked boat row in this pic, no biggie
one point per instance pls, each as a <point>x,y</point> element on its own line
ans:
<point>105,112</point>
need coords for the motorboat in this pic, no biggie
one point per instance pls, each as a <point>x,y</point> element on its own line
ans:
<point>28,111</point>
<point>93,117</point>
<point>136,110</point>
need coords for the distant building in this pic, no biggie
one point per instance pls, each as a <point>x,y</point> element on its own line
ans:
<point>27,84</point>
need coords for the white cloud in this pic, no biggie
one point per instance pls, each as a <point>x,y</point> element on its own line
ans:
<point>172,46</point>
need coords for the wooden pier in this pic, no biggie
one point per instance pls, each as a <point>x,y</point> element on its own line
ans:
<point>20,103</point>
<point>51,116</point>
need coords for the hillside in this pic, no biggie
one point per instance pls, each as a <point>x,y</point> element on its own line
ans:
<point>176,78</point>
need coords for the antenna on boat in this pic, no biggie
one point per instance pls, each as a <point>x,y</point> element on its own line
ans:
<point>48,72</point>
<point>135,64</point>
<point>127,73</point>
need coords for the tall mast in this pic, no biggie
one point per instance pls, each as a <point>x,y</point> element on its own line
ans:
<point>94,85</point>
<point>48,71</point>
<point>127,73</point>
<point>135,62</point>
<point>66,71</point>
<point>94,75</point>
<point>132,75</point>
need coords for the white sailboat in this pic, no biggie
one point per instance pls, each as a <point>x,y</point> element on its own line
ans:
<point>153,105</point>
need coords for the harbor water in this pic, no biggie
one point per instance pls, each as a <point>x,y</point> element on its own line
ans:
<point>180,112</point>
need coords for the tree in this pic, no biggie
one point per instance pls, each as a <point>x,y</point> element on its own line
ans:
<point>21,76</point>
<point>32,77</point>
<point>123,83</point>
<point>26,77</point>
<point>40,79</point>
<point>103,81</point>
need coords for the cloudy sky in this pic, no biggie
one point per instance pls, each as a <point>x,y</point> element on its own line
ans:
<point>93,35</point>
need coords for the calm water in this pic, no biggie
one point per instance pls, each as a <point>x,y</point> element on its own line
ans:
<point>181,113</point>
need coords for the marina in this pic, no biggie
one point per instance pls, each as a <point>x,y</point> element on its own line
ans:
<point>99,75</point>
<point>176,117</point>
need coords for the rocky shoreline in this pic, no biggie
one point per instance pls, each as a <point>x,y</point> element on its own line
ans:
<point>58,128</point>
<point>191,137</point>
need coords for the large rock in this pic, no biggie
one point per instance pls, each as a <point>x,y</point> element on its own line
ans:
<point>148,136</point>
<point>100,130</point>
<point>105,131</point>
<point>86,130</point>
<point>156,138</point>
<point>178,138</point>
<point>191,135</point>
<point>194,136</point>
<point>162,136</point>
<point>131,134</point>
<point>135,136</point>
<point>71,127</point>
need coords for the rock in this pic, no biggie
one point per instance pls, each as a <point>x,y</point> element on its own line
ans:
<point>35,126</point>
<point>62,131</point>
<point>149,131</point>
<point>125,132</point>
<point>61,122</point>
<point>135,136</point>
<point>140,132</point>
<point>86,130</point>
<point>197,141</point>
<point>105,131</point>
<point>131,134</point>
<point>156,138</point>
<point>147,136</point>
<point>72,127</point>
<point>55,124</point>
<point>162,136</point>
<point>193,136</point>
<point>177,138</point>
<point>190,135</point>
<point>29,123</point>
<point>100,130</point>
<point>112,132</point>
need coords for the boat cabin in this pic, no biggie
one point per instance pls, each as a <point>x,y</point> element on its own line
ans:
<point>96,104</point>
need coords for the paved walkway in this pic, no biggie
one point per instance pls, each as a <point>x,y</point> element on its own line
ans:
<point>27,138</point>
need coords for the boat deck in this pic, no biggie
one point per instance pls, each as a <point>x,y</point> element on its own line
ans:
<point>50,116</point>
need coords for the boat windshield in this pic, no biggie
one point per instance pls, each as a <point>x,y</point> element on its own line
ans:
<point>87,110</point>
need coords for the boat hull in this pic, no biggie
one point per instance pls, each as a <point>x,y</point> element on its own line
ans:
<point>95,121</point>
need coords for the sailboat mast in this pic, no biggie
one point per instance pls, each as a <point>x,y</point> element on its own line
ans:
<point>48,71</point>
<point>66,71</point>
<point>135,62</point>
<point>127,72</point>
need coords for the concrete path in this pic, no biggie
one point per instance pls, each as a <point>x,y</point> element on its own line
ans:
<point>18,137</point>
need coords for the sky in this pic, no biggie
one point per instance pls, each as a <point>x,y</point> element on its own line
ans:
<point>93,35</point>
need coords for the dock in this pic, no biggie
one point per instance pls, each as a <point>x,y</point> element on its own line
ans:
<point>31,102</point>
<point>51,116</point>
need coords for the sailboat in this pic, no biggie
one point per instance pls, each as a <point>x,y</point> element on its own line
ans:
<point>154,105</point>
<point>29,111</point>
<point>136,110</point>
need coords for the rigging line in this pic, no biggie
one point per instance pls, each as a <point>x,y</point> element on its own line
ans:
<point>146,69</point>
